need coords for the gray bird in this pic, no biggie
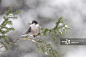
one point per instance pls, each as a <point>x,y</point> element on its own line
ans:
<point>34,29</point>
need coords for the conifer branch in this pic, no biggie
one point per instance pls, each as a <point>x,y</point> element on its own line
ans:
<point>4,29</point>
<point>41,45</point>
<point>38,42</point>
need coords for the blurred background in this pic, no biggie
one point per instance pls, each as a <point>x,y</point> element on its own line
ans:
<point>46,12</point>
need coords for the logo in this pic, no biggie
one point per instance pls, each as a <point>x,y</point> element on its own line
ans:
<point>72,41</point>
<point>66,42</point>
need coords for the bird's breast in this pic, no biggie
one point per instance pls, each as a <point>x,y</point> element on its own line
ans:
<point>34,30</point>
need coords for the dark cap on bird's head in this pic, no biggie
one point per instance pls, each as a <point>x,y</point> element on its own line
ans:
<point>33,21</point>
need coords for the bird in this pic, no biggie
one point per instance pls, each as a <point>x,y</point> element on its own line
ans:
<point>34,29</point>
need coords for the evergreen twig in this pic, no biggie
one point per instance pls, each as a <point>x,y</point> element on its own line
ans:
<point>41,45</point>
<point>4,29</point>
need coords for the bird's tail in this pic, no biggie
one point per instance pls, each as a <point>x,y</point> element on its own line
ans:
<point>23,35</point>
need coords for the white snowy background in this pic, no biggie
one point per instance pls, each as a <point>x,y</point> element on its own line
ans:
<point>46,12</point>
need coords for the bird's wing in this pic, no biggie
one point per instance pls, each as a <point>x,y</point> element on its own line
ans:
<point>39,28</point>
<point>29,30</point>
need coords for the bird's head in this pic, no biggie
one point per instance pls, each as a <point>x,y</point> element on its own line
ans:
<point>33,22</point>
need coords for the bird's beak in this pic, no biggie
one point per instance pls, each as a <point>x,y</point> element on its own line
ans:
<point>29,23</point>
